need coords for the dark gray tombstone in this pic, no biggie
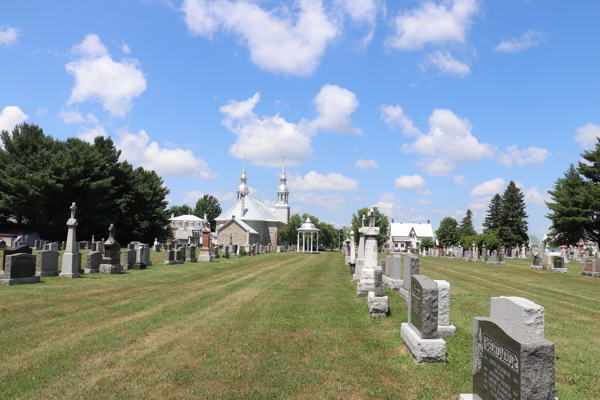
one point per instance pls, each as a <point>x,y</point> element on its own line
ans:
<point>500,257</point>
<point>170,257</point>
<point>129,258</point>
<point>191,255</point>
<point>559,262</point>
<point>19,250</point>
<point>38,244</point>
<point>511,361</point>
<point>226,252</point>
<point>423,306</point>
<point>47,263</point>
<point>19,268</point>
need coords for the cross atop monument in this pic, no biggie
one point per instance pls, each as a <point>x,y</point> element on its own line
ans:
<point>372,213</point>
<point>363,221</point>
<point>111,230</point>
<point>73,208</point>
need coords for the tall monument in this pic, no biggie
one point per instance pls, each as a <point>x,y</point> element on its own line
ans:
<point>70,265</point>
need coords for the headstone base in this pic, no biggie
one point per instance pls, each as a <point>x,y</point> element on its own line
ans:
<point>205,257</point>
<point>378,306</point>
<point>70,275</point>
<point>47,273</point>
<point>138,266</point>
<point>404,294</point>
<point>355,278</point>
<point>537,267</point>
<point>172,262</point>
<point>90,271</point>
<point>561,270</point>
<point>361,293</point>
<point>191,260</point>
<point>110,269</point>
<point>392,284</point>
<point>446,331</point>
<point>590,273</point>
<point>469,397</point>
<point>19,281</point>
<point>424,351</point>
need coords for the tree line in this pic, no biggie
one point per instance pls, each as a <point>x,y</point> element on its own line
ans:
<point>505,224</point>
<point>208,205</point>
<point>41,176</point>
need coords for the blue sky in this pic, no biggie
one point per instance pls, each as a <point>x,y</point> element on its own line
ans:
<point>423,108</point>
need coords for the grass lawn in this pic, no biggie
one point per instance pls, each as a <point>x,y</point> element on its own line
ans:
<point>279,325</point>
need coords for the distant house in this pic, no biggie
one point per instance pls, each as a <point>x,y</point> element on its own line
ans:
<point>534,243</point>
<point>12,235</point>
<point>185,226</point>
<point>403,236</point>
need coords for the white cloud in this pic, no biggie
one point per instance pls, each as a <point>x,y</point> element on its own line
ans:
<point>279,40</point>
<point>529,39</point>
<point>314,181</point>
<point>91,119</point>
<point>192,196</point>
<point>90,134</point>
<point>266,139</point>
<point>224,196</point>
<point>389,197</point>
<point>362,12</point>
<point>393,116</point>
<point>448,22</point>
<point>10,117</point>
<point>530,155</point>
<point>480,203</point>
<point>71,116</point>
<point>423,202</point>
<point>99,78</point>
<point>426,192</point>
<point>587,136</point>
<point>489,188</point>
<point>366,164</point>
<point>41,111</point>
<point>359,198</point>
<point>399,212</point>
<point>9,35</point>
<point>331,202</point>
<point>534,198</point>
<point>448,65</point>
<point>125,48</point>
<point>410,182</point>
<point>439,211</point>
<point>459,180</point>
<point>140,151</point>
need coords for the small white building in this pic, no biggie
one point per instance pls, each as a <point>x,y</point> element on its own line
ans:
<point>185,226</point>
<point>405,236</point>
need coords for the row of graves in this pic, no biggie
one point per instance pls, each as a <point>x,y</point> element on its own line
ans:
<point>511,359</point>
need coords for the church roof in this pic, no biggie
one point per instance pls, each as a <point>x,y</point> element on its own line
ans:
<point>241,223</point>
<point>254,210</point>
<point>403,229</point>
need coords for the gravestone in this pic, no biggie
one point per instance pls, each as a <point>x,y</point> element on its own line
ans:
<point>360,257</point>
<point>205,253</point>
<point>367,278</point>
<point>129,256</point>
<point>411,267</point>
<point>445,328</point>
<point>72,257</point>
<point>140,258</point>
<point>47,263</point>
<point>94,259</point>
<point>394,279</point>
<point>38,244</point>
<point>377,301</point>
<point>217,251</point>
<point>99,246</point>
<point>18,268</point>
<point>179,256</point>
<point>20,250</point>
<point>559,263</point>
<point>226,252</point>
<point>501,258</point>
<point>519,309</point>
<point>511,361</point>
<point>111,262</point>
<point>192,255</point>
<point>170,260</point>
<point>420,334</point>
<point>591,268</point>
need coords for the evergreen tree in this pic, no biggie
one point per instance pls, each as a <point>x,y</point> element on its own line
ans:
<point>591,199</point>
<point>181,210</point>
<point>381,221</point>
<point>288,234</point>
<point>466,225</point>
<point>569,211</point>
<point>448,232</point>
<point>208,205</point>
<point>492,219</point>
<point>513,218</point>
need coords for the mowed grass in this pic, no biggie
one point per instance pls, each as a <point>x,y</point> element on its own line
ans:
<point>278,325</point>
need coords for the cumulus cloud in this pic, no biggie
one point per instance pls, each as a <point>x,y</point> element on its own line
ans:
<point>317,182</point>
<point>448,65</point>
<point>70,116</point>
<point>410,182</point>
<point>10,117</point>
<point>423,202</point>
<point>534,198</point>
<point>529,39</point>
<point>426,192</point>
<point>125,48</point>
<point>89,134</point>
<point>431,23</point>
<point>366,164</point>
<point>439,211</point>
<point>99,78</point>
<point>331,202</point>
<point>264,140</point>
<point>480,203</point>
<point>399,212</point>
<point>530,155</point>
<point>41,111</point>
<point>587,136</point>
<point>459,180</point>
<point>140,151</point>
<point>394,117</point>
<point>363,12</point>
<point>281,40</point>
<point>389,197</point>
<point>489,188</point>
<point>8,35</point>
<point>192,196</point>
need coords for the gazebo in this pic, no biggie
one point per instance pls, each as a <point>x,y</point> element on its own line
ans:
<point>307,228</point>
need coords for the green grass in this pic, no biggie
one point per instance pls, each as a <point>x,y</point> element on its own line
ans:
<point>278,325</point>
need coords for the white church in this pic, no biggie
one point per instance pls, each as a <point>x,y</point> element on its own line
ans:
<point>250,220</point>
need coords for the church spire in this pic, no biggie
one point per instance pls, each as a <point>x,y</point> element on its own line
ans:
<point>282,190</point>
<point>242,190</point>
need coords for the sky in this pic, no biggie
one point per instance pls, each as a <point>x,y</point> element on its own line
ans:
<point>422,108</point>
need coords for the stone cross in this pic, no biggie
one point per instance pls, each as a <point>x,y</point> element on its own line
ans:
<point>111,230</point>
<point>372,213</point>
<point>73,208</point>
<point>363,221</point>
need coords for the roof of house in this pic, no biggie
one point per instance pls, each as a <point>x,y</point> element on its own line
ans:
<point>534,240</point>
<point>241,223</point>
<point>254,210</point>
<point>187,218</point>
<point>403,229</point>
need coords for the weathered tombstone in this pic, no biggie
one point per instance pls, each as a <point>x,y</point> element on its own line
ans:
<point>111,262</point>
<point>38,244</point>
<point>591,268</point>
<point>217,251</point>
<point>94,259</point>
<point>547,261</point>
<point>139,259</point>
<point>394,280</point>
<point>226,252</point>
<point>99,246</point>
<point>411,267</point>
<point>18,268</point>
<point>170,258</point>
<point>377,301</point>
<point>367,278</point>
<point>519,309</point>
<point>360,257</point>
<point>445,327</point>
<point>71,258</point>
<point>559,263</point>
<point>192,255</point>
<point>420,334</point>
<point>179,256</point>
<point>205,253</point>
<point>501,258</point>
<point>47,263</point>
<point>511,361</point>
<point>129,256</point>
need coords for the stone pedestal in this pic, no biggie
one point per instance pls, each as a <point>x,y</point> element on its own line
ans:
<point>423,350</point>
<point>19,269</point>
<point>70,266</point>
<point>445,328</point>
<point>206,257</point>
<point>367,277</point>
<point>110,269</point>
<point>378,305</point>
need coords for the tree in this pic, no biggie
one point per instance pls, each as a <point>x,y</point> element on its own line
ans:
<point>492,218</point>
<point>288,234</point>
<point>513,218</point>
<point>447,234</point>
<point>569,211</point>
<point>181,210</point>
<point>427,243</point>
<point>489,238</point>
<point>590,170</point>
<point>208,205</point>
<point>381,221</point>
<point>466,225</point>
<point>328,235</point>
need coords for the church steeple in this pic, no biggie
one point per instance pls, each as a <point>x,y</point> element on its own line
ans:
<point>282,190</point>
<point>242,190</point>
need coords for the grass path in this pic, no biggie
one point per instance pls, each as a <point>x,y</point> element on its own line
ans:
<point>275,326</point>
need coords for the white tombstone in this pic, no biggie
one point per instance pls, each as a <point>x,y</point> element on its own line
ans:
<point>71,257</point>
<point>519,309</point>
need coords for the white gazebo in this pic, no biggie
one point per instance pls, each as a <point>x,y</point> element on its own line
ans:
<point>308,230</point>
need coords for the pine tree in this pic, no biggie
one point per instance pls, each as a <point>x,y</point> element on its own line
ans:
<point>448,232</point>
<point>466,225</point>
<point>492,219</point>
<point>513,218</point>
<point>569,211</point>
<point>591,199</point>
